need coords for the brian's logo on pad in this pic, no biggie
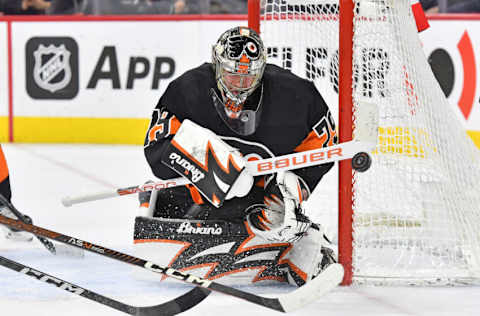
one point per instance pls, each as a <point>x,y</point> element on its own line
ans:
<point>52,67</point>
<point>187,228</point>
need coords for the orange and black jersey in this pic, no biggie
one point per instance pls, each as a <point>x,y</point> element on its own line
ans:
<point>4,178</point>
<point>294,118</point>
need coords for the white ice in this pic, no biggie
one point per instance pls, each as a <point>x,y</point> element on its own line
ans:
<point>42,174</point>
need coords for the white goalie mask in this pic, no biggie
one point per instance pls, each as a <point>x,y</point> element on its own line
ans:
<point>239,59</point>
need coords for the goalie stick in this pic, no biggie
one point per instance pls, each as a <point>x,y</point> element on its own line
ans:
<point>172,307</point>
<point>356,150</point>
<point>312,290</point>
<point>365,141</point>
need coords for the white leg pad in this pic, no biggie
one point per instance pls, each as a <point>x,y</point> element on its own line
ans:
<point>305,253</point>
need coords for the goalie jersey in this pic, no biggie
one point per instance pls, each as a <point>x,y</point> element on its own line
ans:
<point>293,117</point>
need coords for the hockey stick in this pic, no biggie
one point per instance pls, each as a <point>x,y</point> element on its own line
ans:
<point>312,290</point>
<point>172,307</point>
<point>352,149</point>
<point>47,243</point>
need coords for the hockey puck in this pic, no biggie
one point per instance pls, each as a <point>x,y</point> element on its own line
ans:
<point>361,162</point>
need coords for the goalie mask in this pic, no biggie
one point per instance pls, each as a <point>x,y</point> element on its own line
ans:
<point>239,60</point>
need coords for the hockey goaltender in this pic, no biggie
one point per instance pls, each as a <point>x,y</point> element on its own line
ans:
<point>227,223</point>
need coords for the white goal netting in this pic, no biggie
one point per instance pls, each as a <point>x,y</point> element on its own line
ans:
<point>417,210</point>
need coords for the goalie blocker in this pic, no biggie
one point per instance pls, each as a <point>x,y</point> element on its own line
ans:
<point>215,168</point>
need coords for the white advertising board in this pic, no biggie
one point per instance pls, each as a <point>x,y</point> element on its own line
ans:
<point>118,68</point>
<point>72,71</point>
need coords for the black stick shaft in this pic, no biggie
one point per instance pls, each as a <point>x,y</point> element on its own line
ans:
<point>172,307</point>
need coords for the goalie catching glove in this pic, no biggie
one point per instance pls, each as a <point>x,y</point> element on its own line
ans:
<point>215,168</point>
<point>281,218</point>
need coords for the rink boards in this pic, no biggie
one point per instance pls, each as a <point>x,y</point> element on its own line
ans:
<point>64,81</point>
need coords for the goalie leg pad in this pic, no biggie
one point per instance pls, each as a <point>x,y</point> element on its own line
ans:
<point>311,255</point>
<point>213,249</point>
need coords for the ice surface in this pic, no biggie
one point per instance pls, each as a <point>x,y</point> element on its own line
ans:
<point>43,174</point>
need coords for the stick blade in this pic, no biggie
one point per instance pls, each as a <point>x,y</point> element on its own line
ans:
<point>367,122</point>
<point>314,289</point>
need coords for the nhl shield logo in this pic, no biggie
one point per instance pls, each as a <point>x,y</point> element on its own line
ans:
<point>52,67</point>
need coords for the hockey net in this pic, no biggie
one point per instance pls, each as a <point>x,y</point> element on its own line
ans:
<point>414,216</point>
